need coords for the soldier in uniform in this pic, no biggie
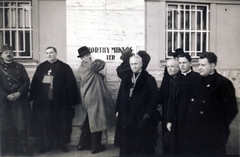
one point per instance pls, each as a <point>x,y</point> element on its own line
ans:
<point>14,104</point>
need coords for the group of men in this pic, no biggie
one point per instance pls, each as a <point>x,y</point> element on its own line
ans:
<point>53,91</point>
<point>197,108</point>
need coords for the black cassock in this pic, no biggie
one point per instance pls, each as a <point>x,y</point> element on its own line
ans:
<point>52,100</point>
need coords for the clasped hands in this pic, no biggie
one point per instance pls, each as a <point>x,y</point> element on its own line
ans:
<point>13,96</point>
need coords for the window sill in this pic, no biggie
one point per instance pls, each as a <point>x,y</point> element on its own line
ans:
<point>27,63</point>
<point>194,62</point>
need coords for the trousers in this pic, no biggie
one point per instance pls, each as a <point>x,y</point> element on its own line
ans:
<point>88,139</point>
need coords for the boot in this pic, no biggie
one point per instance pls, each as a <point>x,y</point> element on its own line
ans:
<point>96,142</point>
<point>23,150</point>
<point>11,137</point>
<point>12,148</point>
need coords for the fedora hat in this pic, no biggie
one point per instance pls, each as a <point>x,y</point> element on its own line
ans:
<point>126,54</point>
<point>82,51</point>
<point>178,52</point>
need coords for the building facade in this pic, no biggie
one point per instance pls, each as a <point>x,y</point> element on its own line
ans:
<point>109,26</point>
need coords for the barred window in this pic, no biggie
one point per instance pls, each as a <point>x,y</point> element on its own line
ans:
<point>187,27</point>
<point>16,27</point>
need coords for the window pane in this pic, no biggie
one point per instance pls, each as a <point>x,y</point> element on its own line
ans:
<point>169,48</point>
<point>1,17</point>
<point>1,38</point>
<point>7,37</point>
<point>182,21</point>
<point>187,17</point>
<point>199,17</point>
<point>26,52</point>
<point>175,19</point>
<point>20,41</point>
<point>187,41</point>
<point>199,42</point>
<point>193,42</point>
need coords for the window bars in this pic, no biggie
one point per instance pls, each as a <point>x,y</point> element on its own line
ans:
<point>187,27</point>
<point>16,27</point>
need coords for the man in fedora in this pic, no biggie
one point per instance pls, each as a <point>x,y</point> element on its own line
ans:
<point>98,107</point>
<point>15,106</point>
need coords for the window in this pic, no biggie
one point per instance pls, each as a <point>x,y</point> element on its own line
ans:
<point>187,27</point>
<point>16,27</point>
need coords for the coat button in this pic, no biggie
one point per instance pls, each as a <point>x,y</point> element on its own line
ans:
<point>192,99</point>
<point>9,83</point>
<point>8,78</point>
<point>201,112</point>
<point>203,101</point>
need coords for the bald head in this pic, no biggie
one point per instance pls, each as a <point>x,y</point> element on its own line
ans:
<point>172,67</point>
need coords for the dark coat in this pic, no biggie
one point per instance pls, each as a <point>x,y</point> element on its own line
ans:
<point>65,94</point>
<point>212,108</point>
<point>180,94</point>
<point>18,72</point>
<point>123,69</point>
<point>164,93</point>
<point>130,129</point>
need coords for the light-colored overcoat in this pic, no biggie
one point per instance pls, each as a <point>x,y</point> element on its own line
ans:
<point>97,102</point>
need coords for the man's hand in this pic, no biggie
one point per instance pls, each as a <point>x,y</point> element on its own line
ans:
<point>13,96</point>
<point>146,117</point>
<point>169,126</point>
<point>10,97</point>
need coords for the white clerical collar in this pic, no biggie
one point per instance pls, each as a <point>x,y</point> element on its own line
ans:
<point>186,72</point>
<point>52,61</point>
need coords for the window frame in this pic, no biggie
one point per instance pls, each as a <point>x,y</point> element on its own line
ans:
<point>19,27</point>
<point>178,31</point>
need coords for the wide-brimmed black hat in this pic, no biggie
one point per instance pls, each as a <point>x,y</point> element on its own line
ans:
<point>145,58</point>
<point>126,54</point>
<point>178,52</point>
<point>82,51</point>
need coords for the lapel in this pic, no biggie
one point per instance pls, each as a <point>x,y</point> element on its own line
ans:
<point>206,83</point>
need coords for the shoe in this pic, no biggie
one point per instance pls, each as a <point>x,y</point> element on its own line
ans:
<point>24,151</point>
<point>100,149</point>
<point>80,148</point>
<point>44,150</point>
<point>64,149</point>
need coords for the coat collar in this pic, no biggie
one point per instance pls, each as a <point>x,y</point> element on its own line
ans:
<point>140,81</point>
<point>206,83</point>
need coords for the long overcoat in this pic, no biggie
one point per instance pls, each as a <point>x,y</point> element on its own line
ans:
<point>18,72</point>
<point>65,94</point>
<point>130,129</point>
<point>97,102</point>
<point>211,110</point>
<point>180,93</point>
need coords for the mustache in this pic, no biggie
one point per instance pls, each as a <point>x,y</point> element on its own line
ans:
<point>9,55</point>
